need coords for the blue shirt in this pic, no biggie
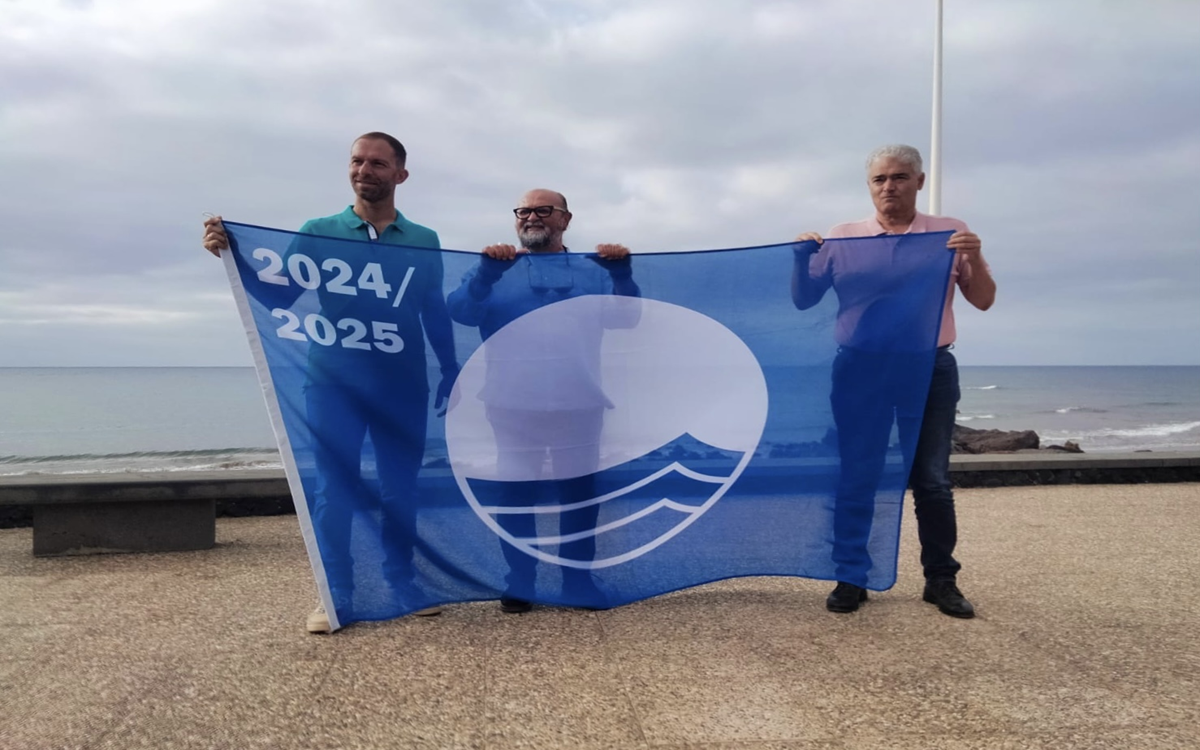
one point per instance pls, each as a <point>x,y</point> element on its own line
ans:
<point>562,366</point>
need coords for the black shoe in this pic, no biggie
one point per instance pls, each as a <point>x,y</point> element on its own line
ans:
<point>846,597</point>
<point>514,606</point>
<point>949,599</point>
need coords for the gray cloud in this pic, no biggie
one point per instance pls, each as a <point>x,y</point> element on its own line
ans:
<point>1071,132</point>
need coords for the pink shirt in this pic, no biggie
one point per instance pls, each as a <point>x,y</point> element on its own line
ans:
<point>960,274</point>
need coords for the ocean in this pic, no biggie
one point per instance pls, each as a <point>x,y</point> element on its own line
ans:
<point>1104,409</point>
<point>85,420</point>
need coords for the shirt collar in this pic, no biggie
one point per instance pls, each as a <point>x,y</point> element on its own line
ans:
<point>920,224</point>
<point>354,221</point>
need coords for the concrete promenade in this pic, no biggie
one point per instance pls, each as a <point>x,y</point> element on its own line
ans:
<point>1086,637</point>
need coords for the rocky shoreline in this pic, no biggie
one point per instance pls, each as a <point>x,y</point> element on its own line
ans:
<point>968,440</point>
<point>964,440</point>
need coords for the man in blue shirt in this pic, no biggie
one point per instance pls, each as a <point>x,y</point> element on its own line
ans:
<point>550,405</point>
<point>339,378</point>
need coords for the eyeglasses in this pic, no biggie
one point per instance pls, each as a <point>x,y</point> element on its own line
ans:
<point>540,211</point>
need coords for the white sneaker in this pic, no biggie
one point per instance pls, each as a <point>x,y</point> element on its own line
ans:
<point>428,612</point>
<point>318,621</point>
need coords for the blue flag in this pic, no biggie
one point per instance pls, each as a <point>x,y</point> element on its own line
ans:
<point>575,431</point>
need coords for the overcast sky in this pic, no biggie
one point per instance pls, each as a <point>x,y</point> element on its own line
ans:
<point>1071,146</point>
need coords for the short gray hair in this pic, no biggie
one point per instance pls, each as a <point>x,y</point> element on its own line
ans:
<point>906,154</point>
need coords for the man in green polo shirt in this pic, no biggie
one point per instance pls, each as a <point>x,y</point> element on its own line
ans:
<point>338,378</point>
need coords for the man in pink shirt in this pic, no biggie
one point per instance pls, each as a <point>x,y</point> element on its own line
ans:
<point>894,176</point>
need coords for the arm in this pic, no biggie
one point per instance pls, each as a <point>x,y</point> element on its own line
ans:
<point>469,303</point>
<point>977,285</point>
<point>436,321</point>
<point>807,289</point>
<point>216,240</point>
<point>306,242</point>
<point>615,259</point>
<point>619,313</point>
<point>439,331</point>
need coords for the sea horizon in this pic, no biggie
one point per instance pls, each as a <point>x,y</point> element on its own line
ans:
<point>130,418</point>
<point>251,366</point>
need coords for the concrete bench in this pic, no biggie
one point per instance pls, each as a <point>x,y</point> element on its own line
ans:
<point>82,514</point>
<point>161,512</point>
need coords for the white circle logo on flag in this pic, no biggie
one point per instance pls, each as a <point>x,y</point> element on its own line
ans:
<point>661,406</point>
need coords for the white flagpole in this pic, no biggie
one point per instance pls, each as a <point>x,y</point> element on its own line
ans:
<point>935,146</point>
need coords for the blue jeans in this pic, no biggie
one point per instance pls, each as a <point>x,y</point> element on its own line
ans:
<point>341,417</point>
<point>871,391</point>
<point>933,498</point>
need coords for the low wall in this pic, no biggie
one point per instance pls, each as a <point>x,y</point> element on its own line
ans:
<point>1019,469</point>
<point>265,492</point>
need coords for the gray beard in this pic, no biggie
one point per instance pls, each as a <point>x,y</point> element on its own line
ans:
<point>535,239</point>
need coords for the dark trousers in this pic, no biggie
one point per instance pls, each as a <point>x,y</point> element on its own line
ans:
<point>570,440</point>
<point>871,391</point>
<point>340,418</point>
<point>522,568</point>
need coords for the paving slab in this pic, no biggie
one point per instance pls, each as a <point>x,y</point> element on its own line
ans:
<point>1085,639</point>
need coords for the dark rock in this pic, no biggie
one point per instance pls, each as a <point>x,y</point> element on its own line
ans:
<point>967,440</point>
<point>1068,447</point>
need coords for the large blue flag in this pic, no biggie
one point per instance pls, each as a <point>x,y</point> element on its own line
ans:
<point>574,431</point>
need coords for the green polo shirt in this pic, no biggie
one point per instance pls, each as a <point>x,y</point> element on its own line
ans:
<point>348,226</point>
<point>407,368</point>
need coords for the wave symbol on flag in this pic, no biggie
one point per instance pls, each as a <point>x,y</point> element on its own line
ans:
<point>634,415</point>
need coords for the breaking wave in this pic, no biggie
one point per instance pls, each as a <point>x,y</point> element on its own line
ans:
<point>211,459</point>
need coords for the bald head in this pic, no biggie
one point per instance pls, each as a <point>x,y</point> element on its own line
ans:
<point>544,197</point>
